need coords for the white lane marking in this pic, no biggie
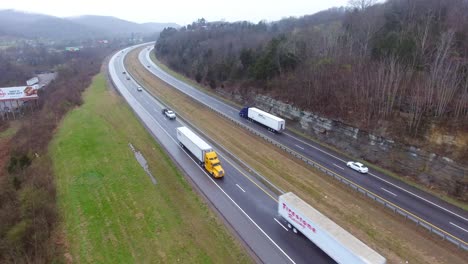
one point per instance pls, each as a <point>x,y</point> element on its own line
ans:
<point>338,166</point>
<point>459,227</point>
<point>299,147</point>
<point>240,187</point>
<point>227,195</point>
<point>173,79</point>
<point>209,177</point>
<point>339,158</point>
<point>280,224</point>
<point>424,199</point>
<point>388,191</point>
<point>319,149</point>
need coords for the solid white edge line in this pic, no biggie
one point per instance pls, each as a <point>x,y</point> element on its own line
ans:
<point>388,191</point>
<point>240,187</point>
<point>209,177</point>
<point>401,188</point>
<point>281,224</point>
<point>459,227</point>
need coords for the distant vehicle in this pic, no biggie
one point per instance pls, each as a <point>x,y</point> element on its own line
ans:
<point>169,113</point>
<point>149,66</point>
<point>336,242</point>
<point>124,72</point>
<point>128,78</point>
<point>139,88</point>
<point>32,81</point>
<point>357,166</point>
<point>204,153</point>
<point>273,123</point>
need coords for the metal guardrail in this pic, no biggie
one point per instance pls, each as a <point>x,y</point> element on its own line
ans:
<point>275,189</point>
<point>395,208</point>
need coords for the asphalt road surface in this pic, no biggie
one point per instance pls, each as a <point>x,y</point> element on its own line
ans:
<point>244,203</point>
<point>442,216</point>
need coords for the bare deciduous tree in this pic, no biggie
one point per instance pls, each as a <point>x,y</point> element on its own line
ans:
<point>361,4</point>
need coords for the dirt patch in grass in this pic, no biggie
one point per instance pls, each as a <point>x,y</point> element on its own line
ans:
<point>111,211</point>
<point>389,234</point>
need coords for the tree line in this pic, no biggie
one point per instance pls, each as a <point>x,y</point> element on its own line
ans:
<point>403,61</point>
<point>28,206</point>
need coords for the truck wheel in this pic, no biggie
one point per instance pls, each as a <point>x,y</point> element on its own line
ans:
<point>294,230</point>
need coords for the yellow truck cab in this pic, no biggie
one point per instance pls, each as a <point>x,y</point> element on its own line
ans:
<point>212,164</point>
<point>204,153</point>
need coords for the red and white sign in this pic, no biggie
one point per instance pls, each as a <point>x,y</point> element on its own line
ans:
<point>18,93</point>
<point>295,217</point>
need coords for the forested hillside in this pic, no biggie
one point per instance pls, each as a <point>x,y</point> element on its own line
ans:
<point>402,63</point>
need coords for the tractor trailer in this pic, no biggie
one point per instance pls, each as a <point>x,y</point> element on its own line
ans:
<point>203,152</point>
<point>273,123</point>
<point>323,232</point>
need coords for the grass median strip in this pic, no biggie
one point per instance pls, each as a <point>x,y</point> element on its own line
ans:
<point>442,195</point>
<point>375,225</point>
<point>111,211</point>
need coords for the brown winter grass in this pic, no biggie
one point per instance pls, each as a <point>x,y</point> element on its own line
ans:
<point>460,142</point>
<point>5,137</point>
<point>111,211</point>
<point>399,241</point>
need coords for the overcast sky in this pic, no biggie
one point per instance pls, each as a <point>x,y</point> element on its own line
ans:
<point>181,12</point>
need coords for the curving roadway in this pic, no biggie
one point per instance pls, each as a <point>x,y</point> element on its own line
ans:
<point>434,212</point>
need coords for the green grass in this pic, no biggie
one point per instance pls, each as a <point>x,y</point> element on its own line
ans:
<point>444,197</point>
<point>11,130</point>
<point>111,211</point>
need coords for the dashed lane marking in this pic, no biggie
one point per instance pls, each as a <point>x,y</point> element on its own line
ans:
<point>281,224</point>
<point>240,187</point>
<point>388,191</point>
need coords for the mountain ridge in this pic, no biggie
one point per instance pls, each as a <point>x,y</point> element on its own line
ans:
<point>33,25</point>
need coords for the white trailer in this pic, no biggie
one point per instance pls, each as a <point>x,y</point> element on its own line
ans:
<point>328,236</point>
<point>193,143</point>
<point>272,122</point>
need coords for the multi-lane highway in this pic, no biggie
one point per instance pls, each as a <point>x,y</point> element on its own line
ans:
<point>244,203</point>
<point>440,215</point>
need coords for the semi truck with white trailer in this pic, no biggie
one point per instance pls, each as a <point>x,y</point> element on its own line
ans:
<point>273,123</point>
<point>203,152</point>
<point>336,242</point>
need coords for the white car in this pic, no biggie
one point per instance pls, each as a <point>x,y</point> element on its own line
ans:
<point>139,88</point>
<point>170,114</point>
<point>357,166</point>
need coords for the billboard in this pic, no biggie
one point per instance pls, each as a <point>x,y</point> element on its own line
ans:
<point>72,49</point>
<point>18,93</point>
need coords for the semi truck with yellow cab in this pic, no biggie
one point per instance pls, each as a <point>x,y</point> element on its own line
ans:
<point>203,152</point>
